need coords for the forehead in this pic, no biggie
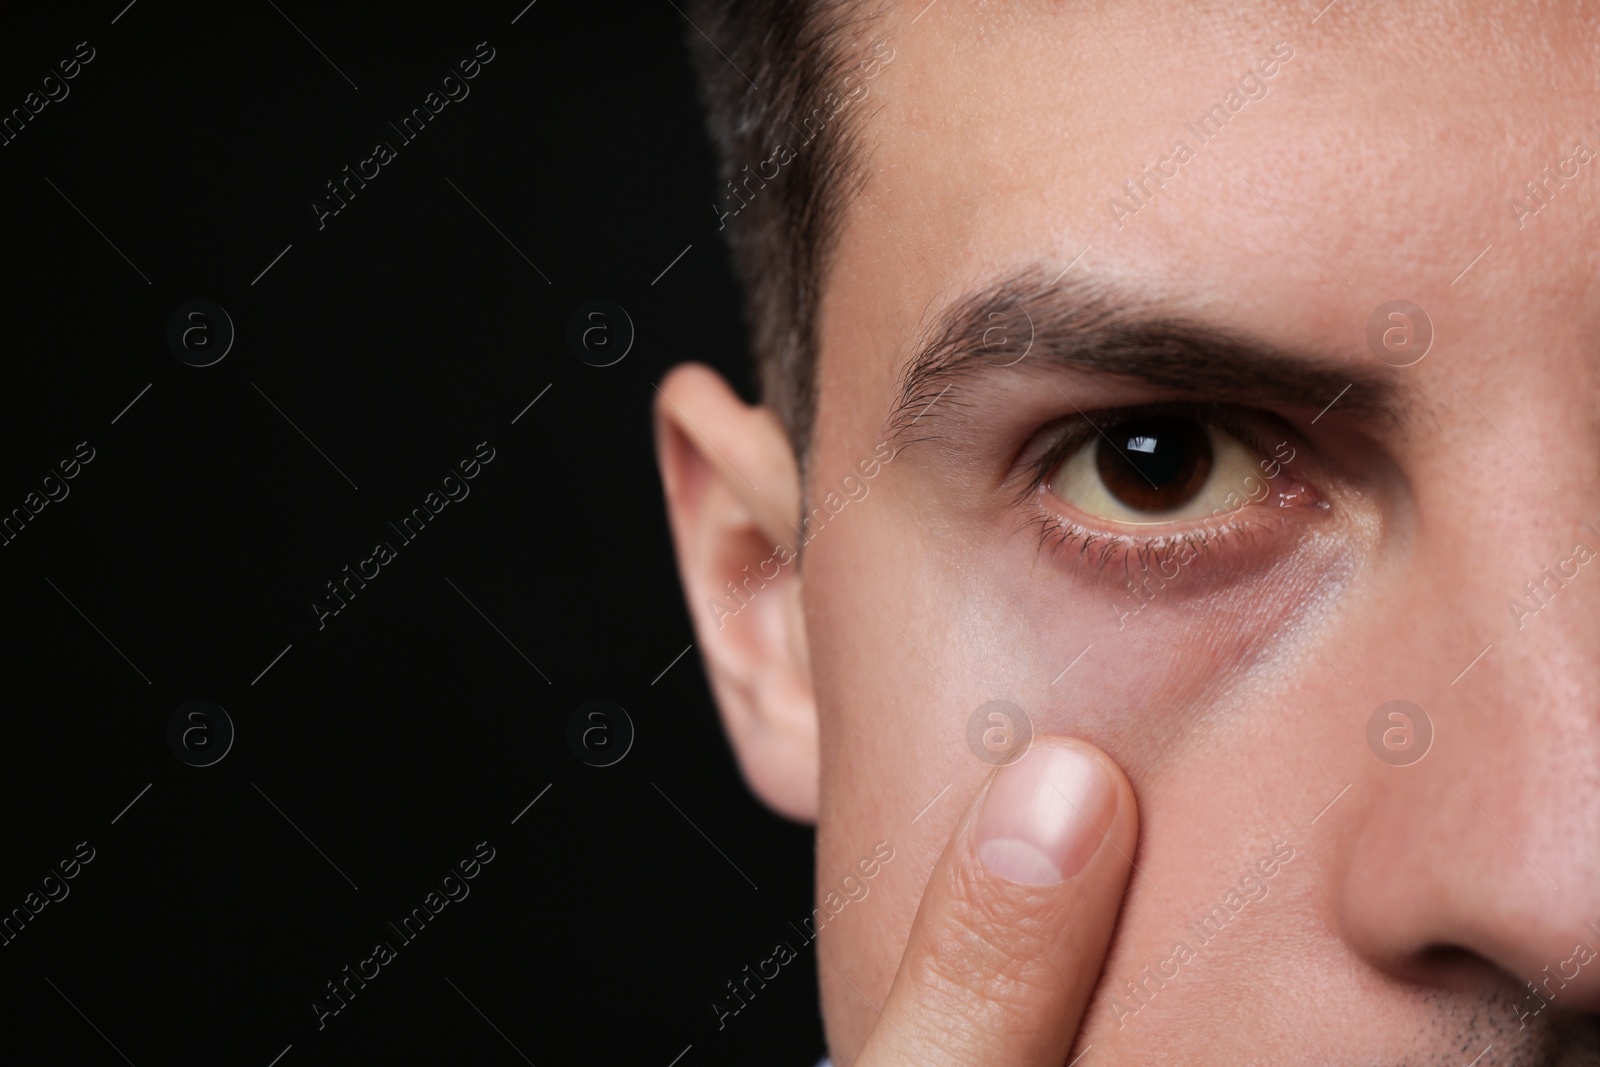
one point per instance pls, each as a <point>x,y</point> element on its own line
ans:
<point>1381,160</point>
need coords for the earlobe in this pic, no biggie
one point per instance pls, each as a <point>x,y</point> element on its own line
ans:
<point>732,489</point>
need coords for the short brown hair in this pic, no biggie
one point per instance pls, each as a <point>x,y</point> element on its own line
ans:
<point>763,64</point>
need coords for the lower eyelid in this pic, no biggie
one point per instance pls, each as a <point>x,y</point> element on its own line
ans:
<point>1254,528</point>
<point>1078,546</point>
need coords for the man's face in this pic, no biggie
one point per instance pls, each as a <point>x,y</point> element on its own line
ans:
<point>1304,891</point>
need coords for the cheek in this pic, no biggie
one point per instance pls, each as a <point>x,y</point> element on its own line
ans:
<point>877,702</point>
<point>1136,671</point>
<point>913,625</point>
<point>866,940</point>
<point>911,630</point>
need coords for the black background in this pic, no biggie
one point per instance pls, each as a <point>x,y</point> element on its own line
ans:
<point>188,552</point>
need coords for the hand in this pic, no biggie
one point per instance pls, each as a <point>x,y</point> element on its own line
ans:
<point>1013,926</point>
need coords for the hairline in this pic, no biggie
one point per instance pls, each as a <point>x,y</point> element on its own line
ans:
<point>800,221</point>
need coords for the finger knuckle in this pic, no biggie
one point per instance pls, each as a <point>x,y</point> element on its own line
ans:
<point>987,953</point>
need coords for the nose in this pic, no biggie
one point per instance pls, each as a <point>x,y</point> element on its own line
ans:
<point>1484,855</point>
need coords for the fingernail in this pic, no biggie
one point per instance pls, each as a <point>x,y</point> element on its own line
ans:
<point>1043,816</point>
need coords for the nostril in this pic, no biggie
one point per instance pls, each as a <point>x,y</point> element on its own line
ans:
<point>1447,956</point>
<point>1457,969</point>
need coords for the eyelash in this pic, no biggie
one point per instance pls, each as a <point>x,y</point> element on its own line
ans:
<point>1100,549</point>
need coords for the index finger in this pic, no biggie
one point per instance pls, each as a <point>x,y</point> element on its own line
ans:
<point>1014,923</point>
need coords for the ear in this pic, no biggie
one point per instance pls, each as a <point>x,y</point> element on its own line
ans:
<point>732,488</point>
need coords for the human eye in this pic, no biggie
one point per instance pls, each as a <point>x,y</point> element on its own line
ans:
<point>1159,479</point>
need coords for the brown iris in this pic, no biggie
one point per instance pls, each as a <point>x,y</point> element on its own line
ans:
<point>1156,463</point>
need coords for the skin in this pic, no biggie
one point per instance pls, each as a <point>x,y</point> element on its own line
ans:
<point>1419,899</point>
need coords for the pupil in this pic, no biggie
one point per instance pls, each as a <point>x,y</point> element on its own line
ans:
<point>1158,463</point>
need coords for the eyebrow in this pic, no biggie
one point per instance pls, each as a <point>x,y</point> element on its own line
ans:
<point>1100,327</point>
